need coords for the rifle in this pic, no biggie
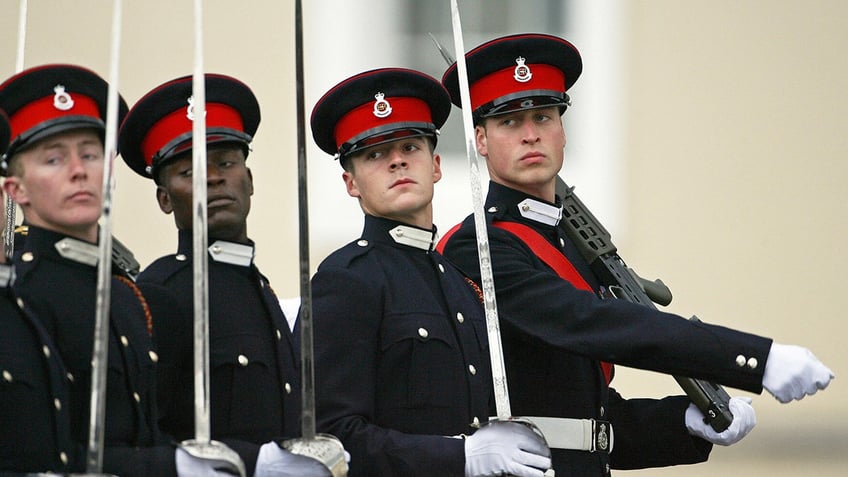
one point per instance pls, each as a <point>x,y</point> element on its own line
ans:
<point>620,281</point>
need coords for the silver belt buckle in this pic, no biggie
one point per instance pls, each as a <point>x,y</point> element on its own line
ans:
<point>600,436</point>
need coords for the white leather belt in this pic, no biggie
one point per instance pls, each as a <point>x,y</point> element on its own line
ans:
<point>575,434</point>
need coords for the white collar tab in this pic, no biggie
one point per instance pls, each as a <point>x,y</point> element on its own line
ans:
<point>232,253</point>
<point>414,237</point>
<point>540,212</point>
<point>78,251</point>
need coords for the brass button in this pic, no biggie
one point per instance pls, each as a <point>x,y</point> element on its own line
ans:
<point>7,376</point>
<point>125,341</point>
<point>63,457</point>
<point>242,359</point>
<point>153,356</point>
<point>46,351</point>
<point>57,404</point>
<point>27,257</point>
<point>70,377</point>
<point>20,303</point>
<point>136,397</point>
<point>423,333</point>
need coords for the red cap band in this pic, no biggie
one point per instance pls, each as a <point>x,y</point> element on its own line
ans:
<point>177,123</point>
<point>503,82</point>
<point>362,118</point>
<point>42,110</point>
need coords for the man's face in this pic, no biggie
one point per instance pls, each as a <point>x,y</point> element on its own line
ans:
<point>229,187</point>
<point>59,182</point>
<point>524,149</point>
<point>395,180</point>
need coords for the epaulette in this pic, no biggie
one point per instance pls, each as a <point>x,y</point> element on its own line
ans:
<point>163,268</point>
<point>350,252</point>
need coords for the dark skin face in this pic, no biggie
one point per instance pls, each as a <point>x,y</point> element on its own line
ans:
<point>229,187</point>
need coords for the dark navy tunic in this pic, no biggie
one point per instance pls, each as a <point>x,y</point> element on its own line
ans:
<point>61,292</point>
<point>34,421</point>
<point>554,336</point>
<point>254,387</point>
<point>401,354</point>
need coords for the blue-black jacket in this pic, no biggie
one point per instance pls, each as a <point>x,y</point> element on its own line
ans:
<point>555,335</point>
<point>401,356</point>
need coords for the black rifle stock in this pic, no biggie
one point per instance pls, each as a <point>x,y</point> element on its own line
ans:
<point>620,281</point>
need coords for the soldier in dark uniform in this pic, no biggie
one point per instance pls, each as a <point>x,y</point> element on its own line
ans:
<point>401,352</point>
<point>255,398</point>
<point>54,166</point>
<point>518,86</point>
<point>34,420</point>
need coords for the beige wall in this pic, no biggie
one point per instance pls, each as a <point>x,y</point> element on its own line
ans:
<point>733,159</point>
<point>735,165</point>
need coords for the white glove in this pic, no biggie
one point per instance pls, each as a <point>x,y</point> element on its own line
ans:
<point>792,372</point>
<point>190,466</point>
<point>744,420</point>
<point>274,461</point>
<point>506,448</point>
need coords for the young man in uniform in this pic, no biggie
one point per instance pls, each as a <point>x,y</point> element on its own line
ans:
<point>401,355</point>
<point>54,167</point>
<point>518,92</point>
<point>36,431</point>
<point>255,398</point>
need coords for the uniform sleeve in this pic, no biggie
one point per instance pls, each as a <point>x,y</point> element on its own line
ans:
<point>540,304</point>
<point>347,316</point>
<point>652,433</point>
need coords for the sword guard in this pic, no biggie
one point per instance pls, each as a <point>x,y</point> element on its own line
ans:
<point>216,452</point>
<point>324,448</point>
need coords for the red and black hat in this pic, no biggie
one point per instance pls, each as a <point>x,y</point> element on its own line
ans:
<point>49,99</point>
<point>378,106</point>
<point>159,126</point>
<point>511,73</point>
<point>5,132</point>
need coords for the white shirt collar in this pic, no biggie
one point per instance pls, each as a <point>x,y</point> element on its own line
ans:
<point>414,237</point>
<point>540,211</point>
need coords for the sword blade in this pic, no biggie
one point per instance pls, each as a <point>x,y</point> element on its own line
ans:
<point>100,355</point>
<point>9,230</point>
<point>202,432</point>
<point>306,349</point>
<point>488,284</point>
